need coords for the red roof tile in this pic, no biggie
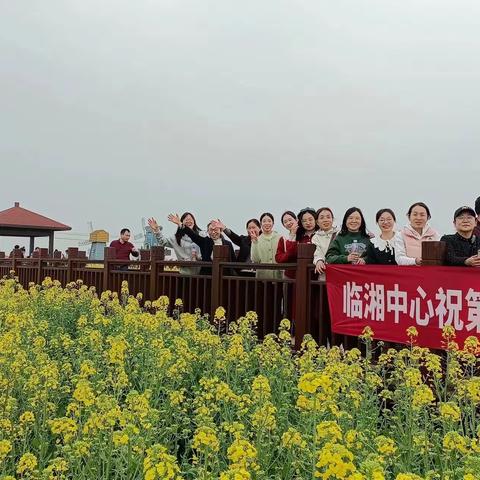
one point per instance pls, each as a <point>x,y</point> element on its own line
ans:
<point>19,217</point>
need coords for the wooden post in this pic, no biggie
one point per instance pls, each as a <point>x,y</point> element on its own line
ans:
<point>32,245</point>
<point>157,254</point>
<point>50,243</point>
<point>434,253</point>
<point>39,270</point>
<point>302,292</point>
<point>109,254</point>
<point>72,253</point>
<point>221,253</point>
<point>145,254</point>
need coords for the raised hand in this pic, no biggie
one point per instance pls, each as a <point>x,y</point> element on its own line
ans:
<point>253,236</point>
<point>174,218</point>
<point>218,224</point>
<point>152,223</point>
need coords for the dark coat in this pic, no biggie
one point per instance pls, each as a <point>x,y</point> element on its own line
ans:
<point>460,248</point>
<point>242,241</point>
<point>206,245</point>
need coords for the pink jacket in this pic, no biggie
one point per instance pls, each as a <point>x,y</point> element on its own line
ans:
<point>408,243</point>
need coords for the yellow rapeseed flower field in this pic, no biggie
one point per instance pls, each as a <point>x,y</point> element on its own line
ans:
<point>107,388</point>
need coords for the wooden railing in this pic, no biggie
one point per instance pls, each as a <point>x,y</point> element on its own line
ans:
<point>303,300</point>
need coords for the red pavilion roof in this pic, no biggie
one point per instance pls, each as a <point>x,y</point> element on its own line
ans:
<point>19,217</point>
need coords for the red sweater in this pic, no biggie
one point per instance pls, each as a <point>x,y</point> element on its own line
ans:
<point>123,250</point>
<point>287,252</point>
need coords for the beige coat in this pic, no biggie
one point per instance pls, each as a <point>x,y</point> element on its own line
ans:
<point>263,251</point>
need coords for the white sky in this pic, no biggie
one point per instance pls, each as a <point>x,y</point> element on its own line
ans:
<point>115,110</point>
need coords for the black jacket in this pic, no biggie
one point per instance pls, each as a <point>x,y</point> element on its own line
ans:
<point>375,254</point>
<point>460,248</point>
<point>243,241</point>
<point>206,248</point>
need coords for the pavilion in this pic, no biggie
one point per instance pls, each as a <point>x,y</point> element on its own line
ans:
<point>20,222</point>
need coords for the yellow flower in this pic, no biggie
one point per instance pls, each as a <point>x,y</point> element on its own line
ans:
<point>160,465</point>
<point>235,473</point>
<point>367,333</point>
<point>264,417</point>
<point>260,388</point>
<point>285,324</point>
<point>471,345</point>
<point>177,397</point>
<point>472,389</point>
<point>178,302</point>
<point>329,431</point>
<point>310,382</point>
<point>385,446</point>
<point>220,313</point>
<point>293,438</point>
<point>422,396</point>
<point>83,393</point>
<point>81,448</point>
<point>5,449</point>
<point>205,440</point>
<point>27,463</point>
<point>334,462</point>
<point>242,453</point>
<point>65,427</point>
<point>27,417</point>
<point>408,476</point>
<point>235,428</point>
<point>412,333</point>
<point>58,466</point>
<point>454,442</point>
<point>412,377</point>
<point>87,369</point>
<point>120,438</point>
<point>450,411</point>
<point>448,333</point>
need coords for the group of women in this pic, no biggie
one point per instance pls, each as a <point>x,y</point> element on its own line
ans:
<point>352,243</point>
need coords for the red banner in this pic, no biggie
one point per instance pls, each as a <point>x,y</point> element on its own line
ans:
<point>390,299</point>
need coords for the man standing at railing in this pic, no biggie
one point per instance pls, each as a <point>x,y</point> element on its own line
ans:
<point>123,248</point>
<point>463,247</point>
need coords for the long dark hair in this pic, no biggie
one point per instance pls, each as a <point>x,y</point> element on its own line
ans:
<point>179,234</point>
<point>363,227</point>
<point>301,230</point>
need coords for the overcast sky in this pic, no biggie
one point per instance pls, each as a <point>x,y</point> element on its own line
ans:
<point>115,110</point>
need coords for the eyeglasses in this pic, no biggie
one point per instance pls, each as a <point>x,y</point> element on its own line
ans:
<point>465,217</point>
